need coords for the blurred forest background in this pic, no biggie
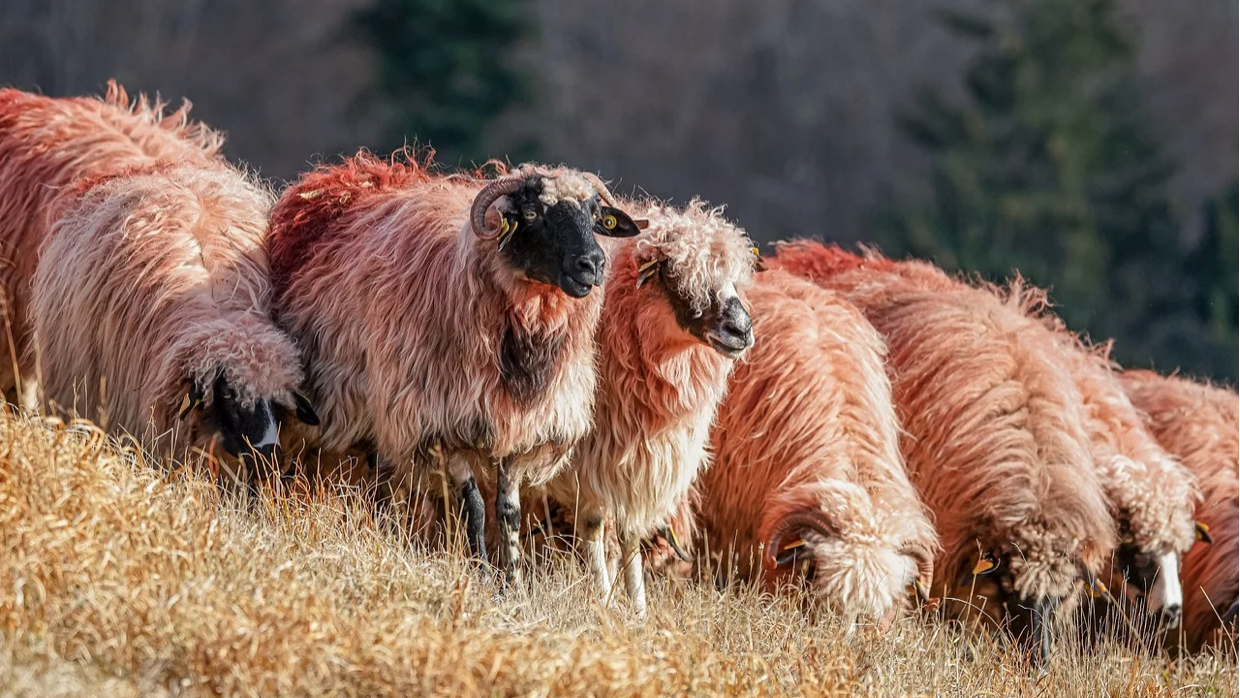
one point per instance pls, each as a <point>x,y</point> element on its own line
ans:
<point>1091,144</point>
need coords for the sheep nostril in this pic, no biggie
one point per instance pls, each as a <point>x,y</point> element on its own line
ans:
<point>590,266</point>
<point>1171,615</point>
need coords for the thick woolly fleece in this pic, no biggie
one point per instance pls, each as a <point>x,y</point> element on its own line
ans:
<point>401,313</point>
<point>167,266</point>
<point>1200,424</point>
<point>1152,496</point>
<point>993,429</point>
<point>808,426</point>
<point>46,146</point>
<point>659,386</point>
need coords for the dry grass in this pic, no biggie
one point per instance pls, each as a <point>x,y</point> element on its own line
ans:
<point>115,581</point>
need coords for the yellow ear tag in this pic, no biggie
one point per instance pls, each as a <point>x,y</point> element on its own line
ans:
<point>1097,589</point>
<point>793,545</point>
<point>610,222</point>
<point>983,566</point>
<point>671,533</point>
<point>506,233</point>
<point>647,272</point>
<point>186,405</point>
<point>1203,532</point>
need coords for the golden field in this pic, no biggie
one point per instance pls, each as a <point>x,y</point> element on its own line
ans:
<point>120,580</point>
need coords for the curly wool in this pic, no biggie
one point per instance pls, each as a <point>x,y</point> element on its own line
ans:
<point>658,385</point>
<point>702,249</point>
<point>167,267</point>
<point>993,428</point>
<point>808,425</point>
<point>48,145</point>
<point>1200,424</point>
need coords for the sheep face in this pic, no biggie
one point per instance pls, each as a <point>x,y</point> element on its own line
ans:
<point>245,429</point>
<point>547,227</point>
<point>994,585</point>
<point>721,321</point>
<point>701,264</point>
<point>1152,580</point>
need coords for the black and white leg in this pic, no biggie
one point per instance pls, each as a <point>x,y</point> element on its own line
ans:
<point>473,511</point>
<point>508,520</point>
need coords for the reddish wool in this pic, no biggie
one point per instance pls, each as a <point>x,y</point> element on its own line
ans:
<point>808,426</point>
<point>993,428</point>
<point>167,266</point>
<point>400,311</point>
<point>1200,424</point>
<point>47,145</point>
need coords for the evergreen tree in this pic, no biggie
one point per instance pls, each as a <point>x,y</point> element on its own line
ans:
<point>446,69</point>
<point>1048,166</point>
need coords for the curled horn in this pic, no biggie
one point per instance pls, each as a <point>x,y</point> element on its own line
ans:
<point>805,518</point>
<point>478,211</point>
<point>925,568</point>
<point>600,188</point>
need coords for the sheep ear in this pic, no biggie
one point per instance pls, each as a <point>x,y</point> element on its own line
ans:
<point>1203,532</point>
<point>192,400</point>
<point>305,410</point>
<point>614,223</point>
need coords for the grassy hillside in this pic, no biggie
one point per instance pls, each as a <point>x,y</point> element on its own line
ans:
<point>115,581</point>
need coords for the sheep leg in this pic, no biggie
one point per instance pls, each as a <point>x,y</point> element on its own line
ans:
<point>474,511</point>
<point>634,581</point>
<point>508,520</point>
<point>591,535</point>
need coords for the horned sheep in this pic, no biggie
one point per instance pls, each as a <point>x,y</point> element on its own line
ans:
<point>47,144</point>
<point>673,322</point>
<point>993,436</point>
<point>807,475</point>
<point>447,320</point>
<point>151,311</point>
<point>1200,424</point>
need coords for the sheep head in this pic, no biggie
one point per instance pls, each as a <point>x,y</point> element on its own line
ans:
<point>545,222</point>
<point>702,264</point>
<point>245,427</point>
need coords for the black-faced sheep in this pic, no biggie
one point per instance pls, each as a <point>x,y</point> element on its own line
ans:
<point>448,316</point>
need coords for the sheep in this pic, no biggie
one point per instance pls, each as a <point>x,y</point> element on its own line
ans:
<point>447,320</point>
<point>993,437</point>
<point>46,145</point>
<point>673,322</point>
<point>807,473</point>
<point>150,305</point>
<point>1151,495</point>
<point>1200,424</point>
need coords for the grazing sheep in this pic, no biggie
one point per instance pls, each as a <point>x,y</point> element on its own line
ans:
<point>1151,495</point>
<point>673,321</point>
<point>48,144</point>
<point>151,305</point>
<point>1200,424</point>
<point>807,474</point>
<point>425,337</point>
<point>993,437</point>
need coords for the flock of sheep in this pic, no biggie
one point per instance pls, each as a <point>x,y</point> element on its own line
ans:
<point>889,437</point>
